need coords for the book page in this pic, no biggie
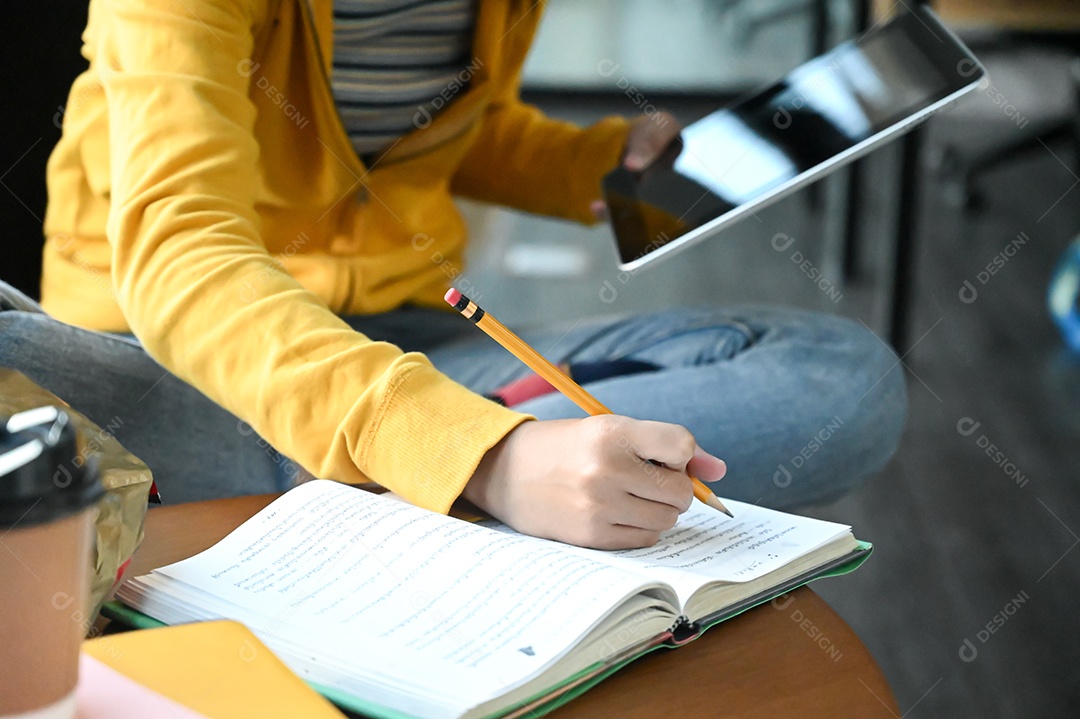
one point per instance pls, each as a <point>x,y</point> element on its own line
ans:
<point>707,546</point>
<point>400,589</point>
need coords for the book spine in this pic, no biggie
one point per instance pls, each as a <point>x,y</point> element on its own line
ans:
<point>683,630</point>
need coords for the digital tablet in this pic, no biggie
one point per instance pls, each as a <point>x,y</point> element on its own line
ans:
<point>821,116</point>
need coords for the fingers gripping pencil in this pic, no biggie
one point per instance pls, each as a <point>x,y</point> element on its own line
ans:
<point>558,379</point>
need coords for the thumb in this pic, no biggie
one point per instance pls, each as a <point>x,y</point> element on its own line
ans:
<point>706,467</point>
<point>649,137</point>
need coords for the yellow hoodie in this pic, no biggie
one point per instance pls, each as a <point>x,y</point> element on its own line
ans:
<point>205,196</point>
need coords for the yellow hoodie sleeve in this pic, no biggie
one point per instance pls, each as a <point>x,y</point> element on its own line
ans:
<point>523,159</point>
<point>206,300</point>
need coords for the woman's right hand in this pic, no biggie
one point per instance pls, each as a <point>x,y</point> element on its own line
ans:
<point>607,482</point>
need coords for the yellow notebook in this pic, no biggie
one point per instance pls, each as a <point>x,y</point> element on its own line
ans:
<point>218,669</point>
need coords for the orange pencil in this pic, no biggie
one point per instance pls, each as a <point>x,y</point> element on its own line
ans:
<point>555,376</point>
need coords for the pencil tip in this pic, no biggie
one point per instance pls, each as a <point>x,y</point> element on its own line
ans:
<point>718,505</point>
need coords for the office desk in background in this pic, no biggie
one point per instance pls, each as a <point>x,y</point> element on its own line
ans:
<point>795,657</point>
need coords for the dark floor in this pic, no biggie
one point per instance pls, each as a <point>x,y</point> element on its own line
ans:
<point>960,543</point>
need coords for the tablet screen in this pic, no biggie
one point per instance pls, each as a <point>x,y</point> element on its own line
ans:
<point>743,152</point>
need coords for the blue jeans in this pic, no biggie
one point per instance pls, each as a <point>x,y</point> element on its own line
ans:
<point>800,405</point>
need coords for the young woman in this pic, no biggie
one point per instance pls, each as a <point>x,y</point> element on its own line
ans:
<point>261,192</point>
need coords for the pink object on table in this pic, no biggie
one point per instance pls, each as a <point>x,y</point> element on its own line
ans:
<point>104,693</point>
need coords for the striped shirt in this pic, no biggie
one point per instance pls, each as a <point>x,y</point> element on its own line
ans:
<point>396,64</point>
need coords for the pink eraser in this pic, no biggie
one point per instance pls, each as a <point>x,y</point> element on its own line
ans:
<point>452,296</point>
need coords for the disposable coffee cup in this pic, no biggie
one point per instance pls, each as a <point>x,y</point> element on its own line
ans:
<point>47,498</point>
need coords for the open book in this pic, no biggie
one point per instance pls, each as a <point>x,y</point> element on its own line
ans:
<point>395,611</point>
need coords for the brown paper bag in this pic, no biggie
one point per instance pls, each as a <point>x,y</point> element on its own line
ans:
<point>120,513</point>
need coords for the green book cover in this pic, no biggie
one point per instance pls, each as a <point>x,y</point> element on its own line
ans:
<point>576,685</point>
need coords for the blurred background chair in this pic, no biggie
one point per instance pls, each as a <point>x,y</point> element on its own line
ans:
<point>1044,29</point>
<point>1050,27</point>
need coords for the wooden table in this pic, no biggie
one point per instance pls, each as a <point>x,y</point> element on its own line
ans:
<point>793,657</point>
